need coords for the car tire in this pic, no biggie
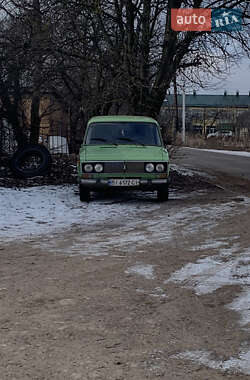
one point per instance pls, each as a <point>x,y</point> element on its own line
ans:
<point>84,194</point>
<point>31,161</point>
<point>163,194</point>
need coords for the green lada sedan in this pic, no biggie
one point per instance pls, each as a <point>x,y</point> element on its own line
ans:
<point>123,152</point>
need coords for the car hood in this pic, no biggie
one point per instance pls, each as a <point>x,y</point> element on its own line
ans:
<point>123,153</point>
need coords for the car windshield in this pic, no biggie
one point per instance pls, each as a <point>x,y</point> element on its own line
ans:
<point>126,133</point>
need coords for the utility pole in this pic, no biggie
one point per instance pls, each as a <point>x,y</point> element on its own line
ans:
<point>176,110</point>
<point>183,116</point>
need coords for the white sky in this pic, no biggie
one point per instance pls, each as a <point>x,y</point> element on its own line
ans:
<point>238,79</point>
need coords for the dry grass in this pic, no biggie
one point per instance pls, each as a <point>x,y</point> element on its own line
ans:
<point>229,143</point>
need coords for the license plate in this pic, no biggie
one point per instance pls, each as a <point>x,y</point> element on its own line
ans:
<point>124,182</point>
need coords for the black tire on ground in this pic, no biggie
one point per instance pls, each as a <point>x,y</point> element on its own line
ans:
<point>84,194</point>
<point>31,161</point>
<point>163,194</point>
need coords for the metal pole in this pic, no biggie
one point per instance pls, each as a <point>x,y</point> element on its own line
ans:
<point>183,117</point>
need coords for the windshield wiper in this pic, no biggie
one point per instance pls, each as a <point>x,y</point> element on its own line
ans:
<point>104,140</point>
<point>130,140</point>
<point>98,139</point>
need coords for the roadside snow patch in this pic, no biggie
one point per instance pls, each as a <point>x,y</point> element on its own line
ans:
<point>183,171</point>
<point>189,172</point>
<point>229,267</point>
<point>211,273</point>
<point>242,304</point>
<point>231,152</point>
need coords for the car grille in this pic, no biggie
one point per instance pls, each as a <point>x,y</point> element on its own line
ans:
<point>124,167</point>
<point>113,167</point>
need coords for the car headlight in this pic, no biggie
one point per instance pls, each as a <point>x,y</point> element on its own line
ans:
<point>88,168</point>
<point>149,168</point>
<point>160,168</point>
<point>98,168</point>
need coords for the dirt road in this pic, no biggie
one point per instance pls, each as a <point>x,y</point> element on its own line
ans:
<point>155,291</point>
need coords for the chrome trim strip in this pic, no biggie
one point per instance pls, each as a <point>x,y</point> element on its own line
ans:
<point>159,181</point>
<point>88,181</point>
<point>105,181</point>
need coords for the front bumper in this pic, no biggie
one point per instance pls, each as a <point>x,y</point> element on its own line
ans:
<point>144,184</point>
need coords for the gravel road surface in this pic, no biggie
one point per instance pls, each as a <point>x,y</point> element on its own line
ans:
<point>132,289</point>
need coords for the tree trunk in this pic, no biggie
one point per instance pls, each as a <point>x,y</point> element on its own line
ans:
<point>37,47</point>
<point>19,134</point>
<point>35,118</point>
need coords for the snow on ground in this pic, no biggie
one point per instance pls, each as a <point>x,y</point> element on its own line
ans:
<point>230,266</point>
<point>231,152</point>
<point>157,292</point>
<point>182,170</point>
<point>45,211</point>
<point>144,224</point>
<point>30,212</point>
<point>234,364</point>
<point>189,172</point>
<point>211,273</point>
<point>144,270</point>
<point>209,245</point>
<point>242,303</point>
<point>41,210</point>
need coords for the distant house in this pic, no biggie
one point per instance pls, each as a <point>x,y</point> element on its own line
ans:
<point>54,125</point>
<point>207,114</point>
<point>242,129</point>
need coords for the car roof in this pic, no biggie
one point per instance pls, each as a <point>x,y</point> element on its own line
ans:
<point>121,118</point>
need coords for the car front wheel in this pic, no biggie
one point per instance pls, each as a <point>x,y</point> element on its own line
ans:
<point>163,194</point>
<point>84,194</point>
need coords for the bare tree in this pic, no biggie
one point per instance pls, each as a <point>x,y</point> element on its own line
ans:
<point>22,48</point>
<point>114,56</point>
<point>149,53</point>
<point>12,67</point>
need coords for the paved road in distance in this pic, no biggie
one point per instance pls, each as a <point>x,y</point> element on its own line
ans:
<point>230,164</point>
